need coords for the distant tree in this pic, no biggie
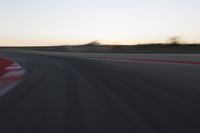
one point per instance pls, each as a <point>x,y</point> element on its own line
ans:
<point>174,40</point>
<point>94,43</point>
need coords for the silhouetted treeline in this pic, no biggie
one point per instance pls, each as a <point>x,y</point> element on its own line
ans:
<point>141,48</point>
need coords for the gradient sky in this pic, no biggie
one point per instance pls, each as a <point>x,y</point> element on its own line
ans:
<point>55,22</point>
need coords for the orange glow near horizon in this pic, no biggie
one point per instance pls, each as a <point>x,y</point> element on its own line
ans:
<point>63,42</point>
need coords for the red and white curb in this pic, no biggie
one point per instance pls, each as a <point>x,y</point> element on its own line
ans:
<point>11,74</point>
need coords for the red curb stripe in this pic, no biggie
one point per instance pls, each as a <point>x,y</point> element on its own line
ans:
<point>11,74</point>
<point>152,60</point>
<point>3,64</point>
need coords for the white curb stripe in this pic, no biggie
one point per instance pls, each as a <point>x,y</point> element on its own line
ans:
<point>11,78</point>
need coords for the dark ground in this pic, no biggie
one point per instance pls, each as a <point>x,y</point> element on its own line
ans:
<point>99,48</point>
<point>63,94</point>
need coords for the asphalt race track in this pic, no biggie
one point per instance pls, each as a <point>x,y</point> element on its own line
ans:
<point>78,94</point>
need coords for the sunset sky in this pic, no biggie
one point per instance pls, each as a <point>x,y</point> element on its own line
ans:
<point>58,22</point>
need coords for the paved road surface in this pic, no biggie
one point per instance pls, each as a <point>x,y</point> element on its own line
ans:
<point>66,94</point>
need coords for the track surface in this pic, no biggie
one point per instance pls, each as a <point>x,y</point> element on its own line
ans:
<point>63,94</point>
